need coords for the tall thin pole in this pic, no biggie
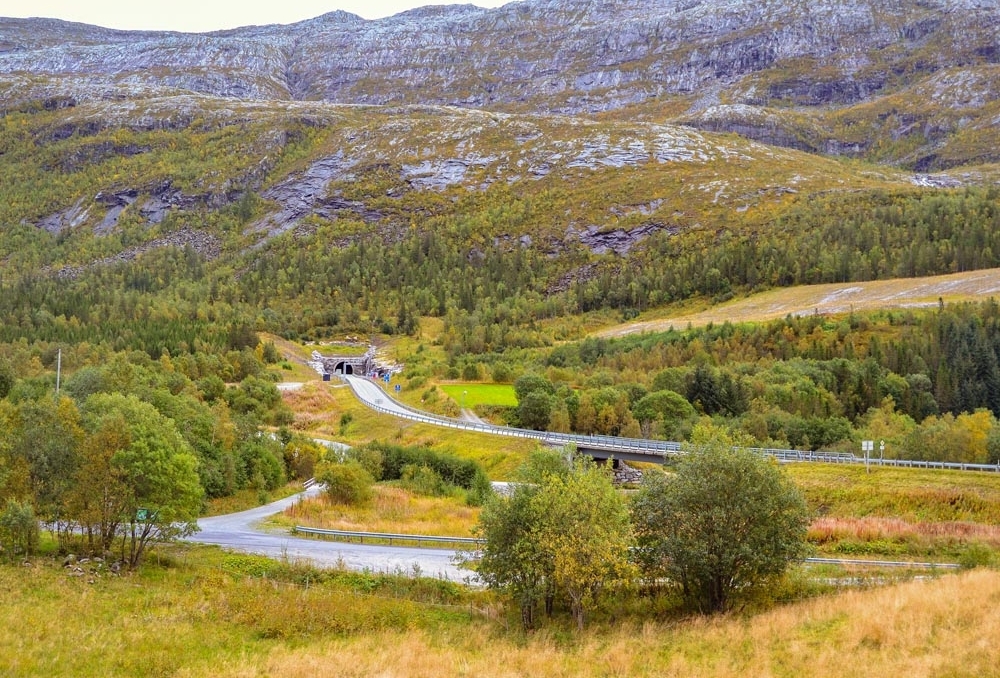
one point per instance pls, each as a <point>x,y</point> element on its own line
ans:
<point>58,369</point>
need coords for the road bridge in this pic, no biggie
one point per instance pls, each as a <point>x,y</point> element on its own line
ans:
<point>626,449</point>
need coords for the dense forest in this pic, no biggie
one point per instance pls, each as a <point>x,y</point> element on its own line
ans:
<point>492,294</point>
<point>926,382</point>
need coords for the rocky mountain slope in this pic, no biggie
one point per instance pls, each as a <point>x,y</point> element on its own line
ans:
<point>559,125</point>
<point>105,165</point>
<point>912,82</point>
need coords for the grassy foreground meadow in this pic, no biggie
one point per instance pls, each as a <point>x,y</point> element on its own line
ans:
<point>198,612</point>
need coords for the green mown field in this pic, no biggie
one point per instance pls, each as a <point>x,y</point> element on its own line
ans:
<point>481,394</point>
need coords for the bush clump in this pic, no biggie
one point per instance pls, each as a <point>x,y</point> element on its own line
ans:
<point>347,483</point>
<point>19,532</point>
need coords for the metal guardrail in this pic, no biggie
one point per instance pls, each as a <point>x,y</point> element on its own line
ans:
<point>883,563</point>
<point>656,450</point>
<point>387,536</point>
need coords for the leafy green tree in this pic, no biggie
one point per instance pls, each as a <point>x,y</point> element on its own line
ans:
<point>422,479</point>
<point>543,463</point>
<point>7,377</point>
<point>585,534</point>
<point>47,435</point>
<point>511,558</point>
<point>530,383</point>
<point>18,529</point>
<point>726,523</point>
<point>212,387</point>
<point>99,499</point>
<point>301,456</point>
<point>535,410</point>
<point>151,472</point>
<point>667,408</point>
<point>500,373</point>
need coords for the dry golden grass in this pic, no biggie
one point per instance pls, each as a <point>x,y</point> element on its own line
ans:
<point>829,299</point>
<point>392,510</point>
<point>196,619</point>
<point>830,529</point>
<point>922,629</point>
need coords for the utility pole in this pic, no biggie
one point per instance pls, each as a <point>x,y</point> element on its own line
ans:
<point>58,369</point>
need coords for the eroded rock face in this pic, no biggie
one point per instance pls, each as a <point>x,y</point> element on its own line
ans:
<point>619,241</point>
<point>566,56</point>
<point>302,194</point>
<point>68,218</point>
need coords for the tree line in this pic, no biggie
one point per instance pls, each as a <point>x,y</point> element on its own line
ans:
<point>129,449</point>
<point>927,382</point>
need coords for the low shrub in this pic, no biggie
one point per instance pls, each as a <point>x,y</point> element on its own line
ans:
<point>451,468</point>
<point>348,483</point>
<point>423,480</point>
<point>19,532</point>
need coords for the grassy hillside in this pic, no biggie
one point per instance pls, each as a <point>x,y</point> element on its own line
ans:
<point>828,299</point>
<point>312,220</point>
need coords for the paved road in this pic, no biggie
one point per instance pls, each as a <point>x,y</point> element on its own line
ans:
<point>238,532</point>
<point>629,449</point>
<point>370,392</point>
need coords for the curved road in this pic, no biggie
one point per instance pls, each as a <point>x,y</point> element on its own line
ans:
<point>238,531</point>
<point>627,449</point>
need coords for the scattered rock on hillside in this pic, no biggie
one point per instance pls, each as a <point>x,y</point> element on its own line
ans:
<point>619,241</point>
<point>205,244</point>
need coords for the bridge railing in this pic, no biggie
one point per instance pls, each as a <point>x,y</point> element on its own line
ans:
<point>656,450</point>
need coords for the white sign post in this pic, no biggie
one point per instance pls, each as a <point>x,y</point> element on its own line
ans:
<point>867,446</point>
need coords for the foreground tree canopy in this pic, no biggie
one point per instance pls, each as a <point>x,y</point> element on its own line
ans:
<point>124,455</point>
<point>724,525</point>
<point>566,534</point>
<point>137,470</point>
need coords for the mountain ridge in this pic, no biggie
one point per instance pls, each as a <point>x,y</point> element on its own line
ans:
<point>812,69</point>
<point>138,134</point>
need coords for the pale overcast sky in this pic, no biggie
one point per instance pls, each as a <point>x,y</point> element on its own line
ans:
<point>207,15</point>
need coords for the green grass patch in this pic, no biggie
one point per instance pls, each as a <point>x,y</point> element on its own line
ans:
<point>471,395</point>
<point>915,495</point>
<point>202,612</point>
<point>248,499</point>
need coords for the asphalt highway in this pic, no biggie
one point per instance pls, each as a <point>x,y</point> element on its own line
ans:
<point>240,532</point>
